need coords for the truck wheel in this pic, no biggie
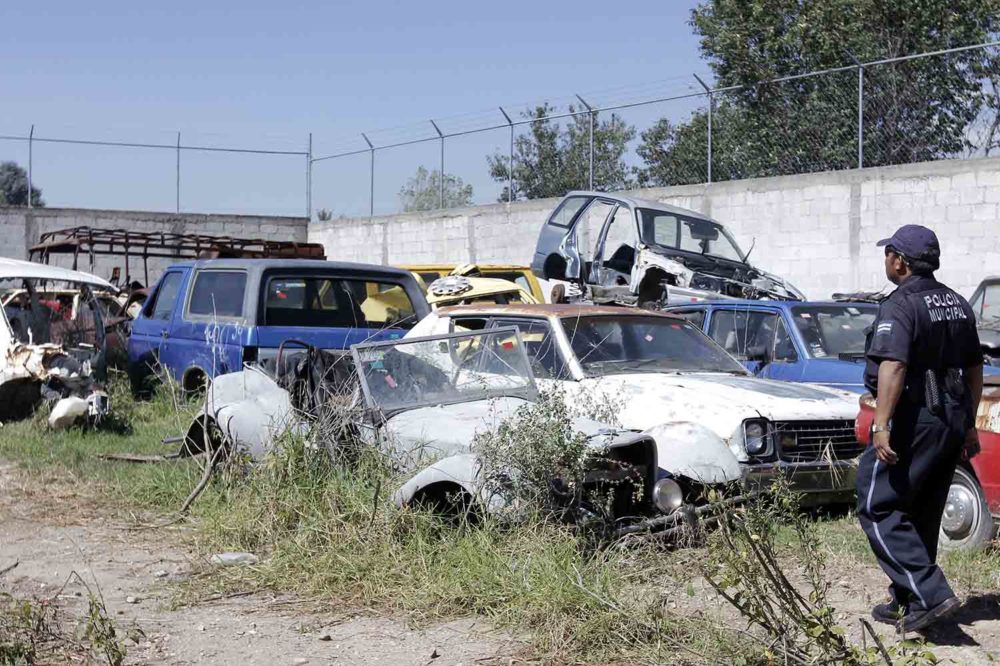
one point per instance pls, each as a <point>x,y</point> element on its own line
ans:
<point>967,523</point>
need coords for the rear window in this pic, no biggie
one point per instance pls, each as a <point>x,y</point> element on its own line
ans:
<point>218,294</point>
<point>324,302</point>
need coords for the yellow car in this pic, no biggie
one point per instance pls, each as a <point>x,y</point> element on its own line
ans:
<point>520,275</point>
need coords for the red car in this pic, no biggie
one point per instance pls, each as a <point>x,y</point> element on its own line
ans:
<point>974,498</point>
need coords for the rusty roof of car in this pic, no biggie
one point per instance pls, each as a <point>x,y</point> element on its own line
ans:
<point>554,310</point>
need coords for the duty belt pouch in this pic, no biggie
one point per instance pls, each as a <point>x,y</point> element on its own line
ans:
<point>932,393</point>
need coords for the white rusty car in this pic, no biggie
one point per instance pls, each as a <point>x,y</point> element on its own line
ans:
<point>424,402</point>
<point>671,381</point>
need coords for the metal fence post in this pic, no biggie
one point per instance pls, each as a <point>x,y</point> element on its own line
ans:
<point>711,104</point>
<point>177,176</point>
<point>590,151</point>
<point>441,174</point>
<point>861,117</point>
<point>31,141</point>
<point>371,182</point>
<point>510,163</point>
<point>309,180</point>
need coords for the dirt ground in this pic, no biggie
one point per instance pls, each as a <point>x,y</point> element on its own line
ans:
<point>52,535</point>
<point>53,531</point>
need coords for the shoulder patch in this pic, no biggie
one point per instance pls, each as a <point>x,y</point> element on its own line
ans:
<point>884,327</point>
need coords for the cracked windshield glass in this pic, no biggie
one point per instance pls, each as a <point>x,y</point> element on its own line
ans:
<point>610,345</point>
<point>407,374</point>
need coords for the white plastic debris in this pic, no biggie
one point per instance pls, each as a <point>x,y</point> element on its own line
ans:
<point>230,559</point>
<point>66,412</point>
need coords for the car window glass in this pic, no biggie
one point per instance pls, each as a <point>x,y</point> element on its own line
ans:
<point>166,296</point>
<point>540,346</point>
<point>990,310</point>
<point>218,294</point>
<point>784,348</point>
<point>740,331</point>
<point>322,302</point>
<point>696,317</point>
<point>567,211</point>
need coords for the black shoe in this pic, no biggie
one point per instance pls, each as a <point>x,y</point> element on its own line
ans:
<point>887,613</point>
<point>917,619</point>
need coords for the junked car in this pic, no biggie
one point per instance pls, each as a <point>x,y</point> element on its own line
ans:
<point>459,290</point>
<point>207,318</point>
<point>425,401</point>
<point>985,303</point>
<point>45,355</point>
<point>520,275</point>
<point>665,377</point>
<point>643,252</point>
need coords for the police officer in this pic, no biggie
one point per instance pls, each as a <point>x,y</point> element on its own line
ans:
<point>924,365</point>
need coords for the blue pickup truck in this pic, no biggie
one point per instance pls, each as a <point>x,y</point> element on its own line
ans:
<point>209,317</point>
<point>819,342</point>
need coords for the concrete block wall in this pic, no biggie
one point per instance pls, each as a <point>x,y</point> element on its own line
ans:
<point>817,230</point>
<point>20,228</point>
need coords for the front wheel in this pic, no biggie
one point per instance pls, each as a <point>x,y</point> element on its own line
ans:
<point>966,523</point>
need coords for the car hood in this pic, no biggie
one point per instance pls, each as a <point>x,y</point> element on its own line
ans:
<point>843,374</point>
<point>719,402</point>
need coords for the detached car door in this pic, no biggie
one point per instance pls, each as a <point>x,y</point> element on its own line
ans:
<point>759,339</point>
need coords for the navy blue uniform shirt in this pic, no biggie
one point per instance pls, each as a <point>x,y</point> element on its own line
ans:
<point>925,325</point>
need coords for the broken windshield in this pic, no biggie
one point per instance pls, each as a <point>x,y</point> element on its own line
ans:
<point>611,345</point>
<point>688,234</point>
<point>411,373</point>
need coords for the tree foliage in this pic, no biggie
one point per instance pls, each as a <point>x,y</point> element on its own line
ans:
<point>918,110</point>
<point>14,187</point>
<point>423,191</point>
<point>551,159</point>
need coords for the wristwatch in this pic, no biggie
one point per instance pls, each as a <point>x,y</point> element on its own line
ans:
<point>877,428</point>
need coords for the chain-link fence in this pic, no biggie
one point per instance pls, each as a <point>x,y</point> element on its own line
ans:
<point>922,107</point>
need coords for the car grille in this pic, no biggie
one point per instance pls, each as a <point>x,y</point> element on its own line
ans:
<point>816,441</point>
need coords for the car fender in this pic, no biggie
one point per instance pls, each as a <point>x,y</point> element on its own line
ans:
<point>647,260</point>
<point>461,469</point>
<point>691,450</point>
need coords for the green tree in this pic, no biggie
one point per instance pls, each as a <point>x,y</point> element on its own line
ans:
<point>423,191</point>
<point>918,110</point>
<point>14,187</point>
<point>550,160</point>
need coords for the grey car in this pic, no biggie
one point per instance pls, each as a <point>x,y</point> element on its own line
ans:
<point>644,252</point>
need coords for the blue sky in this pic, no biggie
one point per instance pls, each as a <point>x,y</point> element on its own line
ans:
<point>265,74</point>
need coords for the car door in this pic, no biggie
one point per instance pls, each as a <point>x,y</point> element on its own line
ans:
<point>555,253</point>
<point>758,338</point>
<point>151,329</point>
<point>614,256</point>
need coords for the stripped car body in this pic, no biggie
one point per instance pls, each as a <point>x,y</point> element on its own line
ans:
<point>712,422</point>
<point>461,290</point>
<point>46,354</point>
<point>424,402</point>
<point>645,252</point>
<point>985,303</point>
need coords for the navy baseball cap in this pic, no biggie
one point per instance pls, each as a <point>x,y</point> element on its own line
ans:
<point>915,242</point>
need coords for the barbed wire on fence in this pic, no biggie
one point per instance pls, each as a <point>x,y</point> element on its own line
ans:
<point>882,112</point>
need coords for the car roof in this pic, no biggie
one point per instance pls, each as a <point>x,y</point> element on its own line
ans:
<point>560,310</point>
<point>637,202</point>
<point>308,264</point>
<point>17,269</point>
<point>764,303</point>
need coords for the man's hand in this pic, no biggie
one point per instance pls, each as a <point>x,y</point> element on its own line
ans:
<point>883,450</point>
<point>971,447</point>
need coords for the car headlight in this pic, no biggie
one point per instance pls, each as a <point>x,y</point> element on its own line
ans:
<point>756,438</point>
<point>668,496</point>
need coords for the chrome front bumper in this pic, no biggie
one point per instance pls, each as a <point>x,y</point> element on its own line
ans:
<point>820,483</point>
